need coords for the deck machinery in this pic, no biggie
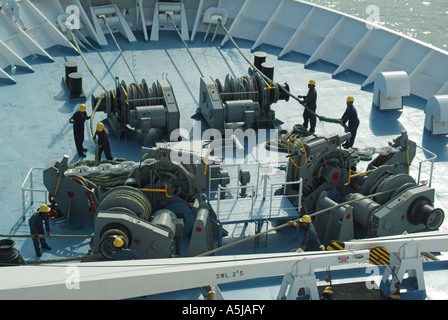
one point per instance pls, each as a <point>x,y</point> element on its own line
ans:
<point>158,201</point>
<point>245,100</point>
<point>383,200</point>
<point>163,198</point>
<point>140,106</point>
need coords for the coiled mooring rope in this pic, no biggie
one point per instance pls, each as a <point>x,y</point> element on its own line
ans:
<point>284,137</point>
<point>111,179</point>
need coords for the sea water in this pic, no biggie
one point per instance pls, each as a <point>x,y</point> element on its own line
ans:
<point>425,20</point>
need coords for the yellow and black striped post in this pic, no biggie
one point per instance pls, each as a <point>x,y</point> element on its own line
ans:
<point>379,256</point>
<point>335,245</point>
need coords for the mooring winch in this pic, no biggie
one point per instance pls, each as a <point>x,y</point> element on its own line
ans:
<point>140,107</point>
<point>245,99</point>
<point>150,204</point>
<point>384,200</point>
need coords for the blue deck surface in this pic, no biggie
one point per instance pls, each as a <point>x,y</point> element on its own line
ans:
<point>35,113</point>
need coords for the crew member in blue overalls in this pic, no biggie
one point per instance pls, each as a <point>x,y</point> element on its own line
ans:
<point>122,254</point>
<point>310,241</point>
<point>36,223</point>
<point>351,116</point>
<point>309,101</point>
<point>78,120</point>
<point>103,141</point>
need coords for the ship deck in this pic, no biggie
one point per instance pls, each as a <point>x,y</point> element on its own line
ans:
<point>35,129</point>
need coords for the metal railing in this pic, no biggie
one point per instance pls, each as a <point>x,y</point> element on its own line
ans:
<point>429,171</point>
<point>298,195</point>
<point>212,180</point>
<point>253,192</point>
<point>31,187</point>
<point>250,196</point>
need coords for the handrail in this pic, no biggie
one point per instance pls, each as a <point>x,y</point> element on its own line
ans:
<point>432,159</point>
<point>29,179</point>
<point>255,189</point>
<point>298,195</point>
<point>221,188</point>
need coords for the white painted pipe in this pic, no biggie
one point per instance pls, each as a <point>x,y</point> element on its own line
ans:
<point>111,20</point>
<point>105,11</point>
<point>170,7</point>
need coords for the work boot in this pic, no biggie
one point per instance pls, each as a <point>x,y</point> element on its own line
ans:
<point>46,247</point>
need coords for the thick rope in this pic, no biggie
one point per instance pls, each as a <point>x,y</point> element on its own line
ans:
<point>81,258</point>
<point>281,145</point>
<point>64,236</point>
<point>106,93</point>
<point>188,50</point>
<point>85,61</point>
<point>116,43</point>
<point>92,257</point>
<point>111,179</point>
<point>287,224</point>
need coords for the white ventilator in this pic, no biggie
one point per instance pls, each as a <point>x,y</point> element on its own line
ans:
<point>389,90</point>
<point>436,115</point>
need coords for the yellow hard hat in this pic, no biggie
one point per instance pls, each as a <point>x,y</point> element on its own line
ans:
<point>328,290</point>
<point>350,99</point>
<point>312,82</point>
<point>306,219</point>
<point>100,126</point>
<point>118,242</point>
<point>44,208</point>
<point>82,108</point>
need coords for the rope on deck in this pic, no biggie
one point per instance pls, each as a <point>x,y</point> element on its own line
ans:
<point>92,257</point>
<point>119,49</point>
<point>287,224</point>
<point>186,47</point>
<point>106,94</point>
<point>63,236</point>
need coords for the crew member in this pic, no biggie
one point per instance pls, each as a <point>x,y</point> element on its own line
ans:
<point>122,254</point>
<point>309,101</point>
<point>36,223</point>
<point>103,141</point>
<point>310,241</point>
<point>78,120</point>
<point>351,116</point>
<point>12,9</point>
